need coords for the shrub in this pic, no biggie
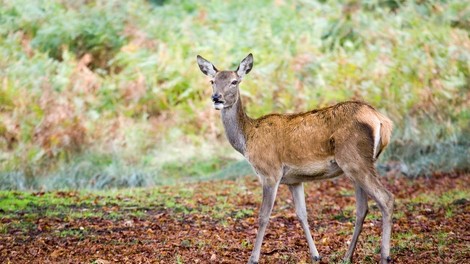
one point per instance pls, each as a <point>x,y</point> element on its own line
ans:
<point>87,79</point>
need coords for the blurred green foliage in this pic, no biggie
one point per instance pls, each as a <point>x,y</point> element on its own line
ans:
<point>107,93</point>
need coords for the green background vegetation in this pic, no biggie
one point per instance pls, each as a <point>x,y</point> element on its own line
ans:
<point>98,94</point>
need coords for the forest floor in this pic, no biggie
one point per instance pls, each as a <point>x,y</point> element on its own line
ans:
<point>215,222</point>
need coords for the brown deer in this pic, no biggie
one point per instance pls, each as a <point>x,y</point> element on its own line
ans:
<point>343,139</point>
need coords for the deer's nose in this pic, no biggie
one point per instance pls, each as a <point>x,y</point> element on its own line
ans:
<point>216,96</point>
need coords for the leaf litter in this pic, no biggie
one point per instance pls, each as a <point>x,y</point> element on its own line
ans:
<point>215,222</point>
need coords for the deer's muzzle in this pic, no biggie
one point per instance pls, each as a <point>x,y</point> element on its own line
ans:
<point>218,102</point>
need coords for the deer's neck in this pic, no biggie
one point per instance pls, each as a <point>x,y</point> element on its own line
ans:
<point>236,123</point>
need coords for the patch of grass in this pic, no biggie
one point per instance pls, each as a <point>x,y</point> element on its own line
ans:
<point>83,214</point>
<point>452,196</point>
<point>74,205</point>
<point>243,213</point>
<point>176,206</point>
<point>337,257</point>
<point>34,202</point>
<point>398,214</point>
<point>3,228</point>
<point>77,233</point>
<point>246,244</point>
<point>445,200</point>
<point>23,226</point>
<point>347,193</point>
<point>374,215</point>
<point>404,241</point>
<point>343,216</point>
<point>138,213</point>
<point>179,259</point>
<point>442,240</point>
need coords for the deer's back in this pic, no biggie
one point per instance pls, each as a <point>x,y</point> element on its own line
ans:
<point>305,143</point>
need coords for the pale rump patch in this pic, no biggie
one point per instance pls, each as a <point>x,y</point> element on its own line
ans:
<point>373,119</point>
<point>376,138</point>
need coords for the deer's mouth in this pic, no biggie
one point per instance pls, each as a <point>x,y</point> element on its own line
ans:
<point>218,104</point>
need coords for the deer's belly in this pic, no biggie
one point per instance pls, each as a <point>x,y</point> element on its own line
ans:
<point>319,170</point>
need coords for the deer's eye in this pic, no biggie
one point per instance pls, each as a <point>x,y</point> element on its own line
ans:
<point>212,81</point>
<point>234,82</point>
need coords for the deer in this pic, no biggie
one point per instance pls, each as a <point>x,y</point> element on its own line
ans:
<point>344,139</point>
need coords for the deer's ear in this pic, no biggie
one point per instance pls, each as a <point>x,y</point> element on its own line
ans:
<point>245,66</point>
<point>206,67</point>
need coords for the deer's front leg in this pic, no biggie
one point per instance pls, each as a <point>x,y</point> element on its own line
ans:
<point>269,195</point>
<point>298,195</point>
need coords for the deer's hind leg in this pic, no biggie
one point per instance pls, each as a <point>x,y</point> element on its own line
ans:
<point>370,183</point>
<point>354,156</point>
<point>361,212</point>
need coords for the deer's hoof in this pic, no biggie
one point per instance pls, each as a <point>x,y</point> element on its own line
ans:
<point>389,259</point>
<point>316,258</point>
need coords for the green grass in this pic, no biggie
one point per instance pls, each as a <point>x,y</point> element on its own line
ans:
<point>445,198</point>
<point>72,233</point>
<point>13,201</point>
<point>108,94</point>
<point>118,204</point>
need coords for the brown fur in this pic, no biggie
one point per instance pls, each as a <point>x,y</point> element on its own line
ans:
<point>298,140</point>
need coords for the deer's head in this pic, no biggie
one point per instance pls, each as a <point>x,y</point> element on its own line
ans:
<point>225,83</point>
